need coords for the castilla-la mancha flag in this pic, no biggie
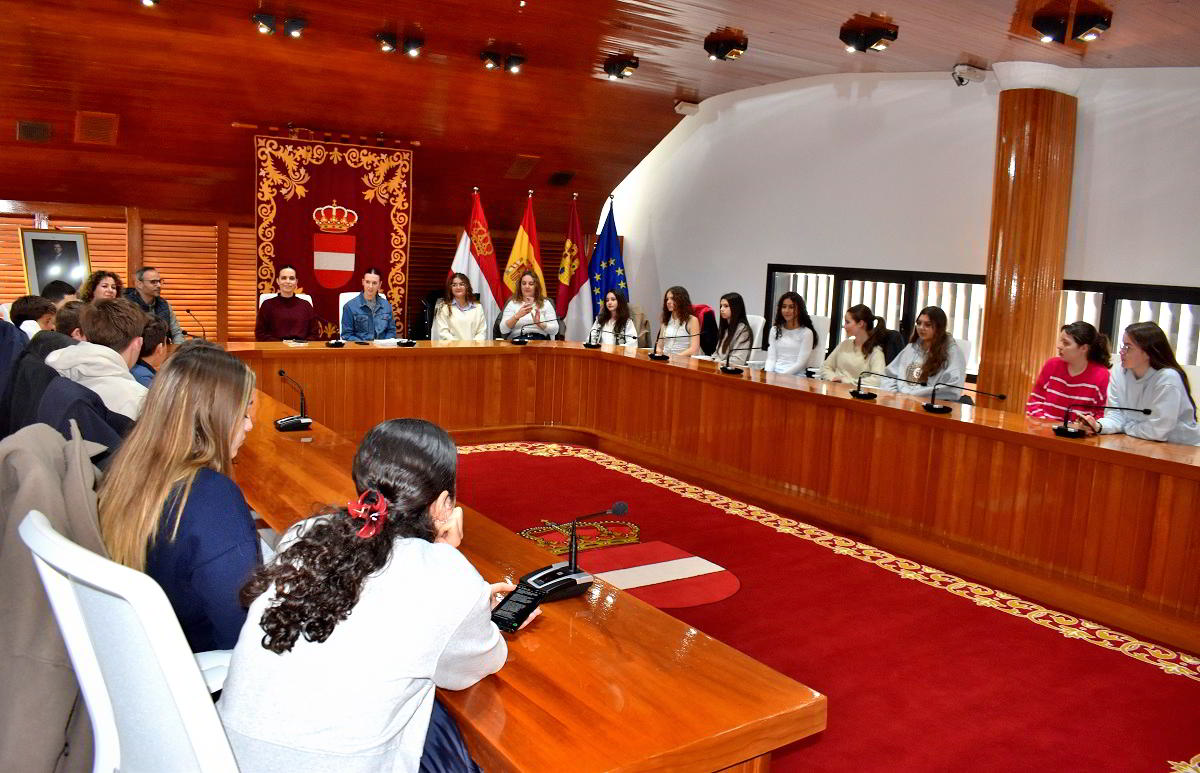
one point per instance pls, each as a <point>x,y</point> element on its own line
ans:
<point>477,259</point>
<point>573,304</point>
<point>526,255</point>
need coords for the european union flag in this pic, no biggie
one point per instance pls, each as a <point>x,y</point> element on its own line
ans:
<point>607,268</point>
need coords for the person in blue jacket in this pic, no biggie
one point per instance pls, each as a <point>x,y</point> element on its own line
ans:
<point>169,505</point>
<point>368,316</point>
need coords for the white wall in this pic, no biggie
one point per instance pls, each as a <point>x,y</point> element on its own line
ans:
<point>895,171</point>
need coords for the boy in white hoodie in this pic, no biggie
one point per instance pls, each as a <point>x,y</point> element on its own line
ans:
<point>112,331</point>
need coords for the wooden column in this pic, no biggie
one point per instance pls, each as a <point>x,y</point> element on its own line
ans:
<point>223,279</point>
<point>1031,198</point>
<point>133,243</point>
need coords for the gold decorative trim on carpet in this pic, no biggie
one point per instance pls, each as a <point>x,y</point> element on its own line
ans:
<point>1170,661</point>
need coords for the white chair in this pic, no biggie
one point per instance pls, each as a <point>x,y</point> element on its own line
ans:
<point>343,299</point>
<point>4,307</point>
<point>302,296</point>
<point>817,357</point>
<point>149,706</point>
<point>758,358</point>
<point>965,347</point>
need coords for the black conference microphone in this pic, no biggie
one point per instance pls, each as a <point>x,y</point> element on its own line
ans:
<point>593,339</point>
<point>654,355</point>
<point>203,332</point>
<point>521,340</point>
<point>858,393</point>
<point>565,579</point>
<point>733,370</point>
<point>294,423</point>
<point>1062,430</point>
<point>933,407</point>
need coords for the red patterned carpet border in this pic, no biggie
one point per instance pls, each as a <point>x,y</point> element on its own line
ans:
<point>1067,625</point>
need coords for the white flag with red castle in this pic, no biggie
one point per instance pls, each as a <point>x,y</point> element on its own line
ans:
<point>333,248</point>
<point>476,259</point>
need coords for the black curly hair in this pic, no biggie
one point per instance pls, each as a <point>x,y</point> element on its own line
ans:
<point>319,577</point>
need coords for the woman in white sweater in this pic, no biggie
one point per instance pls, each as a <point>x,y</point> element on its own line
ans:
<point>613,326</point>
<point>338,673</point>
<point>1149,377</point>
<point>932,357</point>
<point>792,336</point>
<point>735,341</point>
<point>528,313</point>
<point>861,349</point>
<point>458,317</point>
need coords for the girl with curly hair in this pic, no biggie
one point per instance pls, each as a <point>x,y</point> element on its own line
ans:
<point>364,611</point>
<point>101,286</point>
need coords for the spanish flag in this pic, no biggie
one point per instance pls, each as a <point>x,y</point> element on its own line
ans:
<point>525,255</point>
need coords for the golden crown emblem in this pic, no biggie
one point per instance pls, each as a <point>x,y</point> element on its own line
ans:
<point>334,219</point>
<point>591,534</point>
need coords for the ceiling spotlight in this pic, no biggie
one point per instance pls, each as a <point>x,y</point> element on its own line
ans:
<point>149,3</point>
<point>726,44</point>
<point>1051,27</point>
<point>1088,26</point>
<point>412,45</point>
<point>387,42</point>
<point>294,27</point>
<point>513,63</point>
<point>491,59</point>
<point>868,33</point>
<point>265,23</point>
<point>620,66</point>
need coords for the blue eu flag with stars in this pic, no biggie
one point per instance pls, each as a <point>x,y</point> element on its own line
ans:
<point>607,269</point>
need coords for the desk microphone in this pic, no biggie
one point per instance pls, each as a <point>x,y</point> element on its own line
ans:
<point>1062,430</point>
<point>733,370</point>
<point>858,393</point>
<point>294,423</point>
<point>933,407</point>
<point>521,340</point>
<point>654,355</point>
<point>203,332</point>
<point>593,339</point>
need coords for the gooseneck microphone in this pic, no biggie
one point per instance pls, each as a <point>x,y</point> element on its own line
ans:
<point>593,338</point>
<point>203,332</point>
<point>520,339</point>
<point>654,355</point>
<point>933,407</point>
<point>1062,430</point>
<point>294,423</point>
<point>858,393</point>
<point>733,370</point>
<point>565,579</point>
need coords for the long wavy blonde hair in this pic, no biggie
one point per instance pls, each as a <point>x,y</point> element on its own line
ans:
<point>195,405</point>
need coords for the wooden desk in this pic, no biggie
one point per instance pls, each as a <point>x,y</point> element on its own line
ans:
<point>603,682</point>
<point>1107,528</point>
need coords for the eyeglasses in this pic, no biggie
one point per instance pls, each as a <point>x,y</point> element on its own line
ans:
<point>1126,348</point>
<point>153,281</point>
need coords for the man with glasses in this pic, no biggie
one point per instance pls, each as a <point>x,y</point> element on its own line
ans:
<point>146,293</point>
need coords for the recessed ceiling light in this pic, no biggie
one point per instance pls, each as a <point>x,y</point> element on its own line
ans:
<point>265,23</point>
<point>726,44</point>
<point>620,66</point>
<point>294,27</point>
<point>513,63</point>
<point>868,33</point>
<point>1088,26</point>
<point>412,45</point>
<point>491,59</point>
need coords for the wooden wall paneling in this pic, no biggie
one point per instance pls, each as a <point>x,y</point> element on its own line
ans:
<point>242,283</point>
<point>12,272</point>
<point>223,279</point>
<point>1031,199</point>
<point>186,259</point>
<point>133,240</point>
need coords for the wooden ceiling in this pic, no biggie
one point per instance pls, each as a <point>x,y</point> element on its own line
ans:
<point>182,74</point>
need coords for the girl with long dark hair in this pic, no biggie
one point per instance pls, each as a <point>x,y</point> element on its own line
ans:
<point>613,325</point>
<point>932,357</point>
<point>458,317</point>
<point>861,349</point>
<point>1149,377</point>
<point>734,338</point>
<point>1079,374</point>
<point>365,610</point>
<point>680,329</point>
<point>792,336</point>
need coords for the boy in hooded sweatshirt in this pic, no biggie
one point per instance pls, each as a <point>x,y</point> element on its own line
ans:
<point>112,331</point>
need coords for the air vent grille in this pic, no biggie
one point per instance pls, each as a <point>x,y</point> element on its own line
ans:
<point>521,167</point>
<point>96,128</point>
<point>33,131</point>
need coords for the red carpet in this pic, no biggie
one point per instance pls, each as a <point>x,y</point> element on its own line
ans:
<point>919,678</point>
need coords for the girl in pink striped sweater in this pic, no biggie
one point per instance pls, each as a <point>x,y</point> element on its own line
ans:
<point>1079,374</point>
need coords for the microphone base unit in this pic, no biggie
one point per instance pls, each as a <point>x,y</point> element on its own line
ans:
<point>405,343</point>
<point>336,343</point>
<point>558,581</point>
<point>659,357</point>
<point>1068,432</point>
<point>731,370</point>
<point>519,341</point>
<point>937,407</point>
<point>862,394</point>
<point>590,345</point>
<point>293,424</point>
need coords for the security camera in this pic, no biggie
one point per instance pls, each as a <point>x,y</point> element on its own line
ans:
<point>965,73</point>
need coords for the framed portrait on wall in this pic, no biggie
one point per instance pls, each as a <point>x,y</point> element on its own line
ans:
<point>50,254</point>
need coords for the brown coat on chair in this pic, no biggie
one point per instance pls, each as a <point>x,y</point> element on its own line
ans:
<point>40,470</point>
